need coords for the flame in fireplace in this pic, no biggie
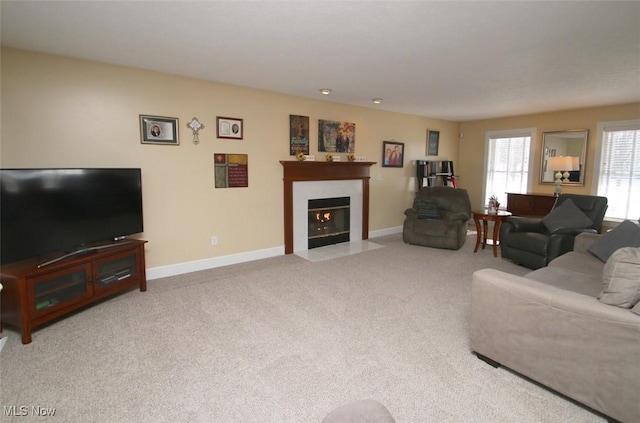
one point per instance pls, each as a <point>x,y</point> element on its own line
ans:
<point>323,217</point>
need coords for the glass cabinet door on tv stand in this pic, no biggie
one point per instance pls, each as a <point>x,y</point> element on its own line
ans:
<point>51,292</point>
<point>34,295</point>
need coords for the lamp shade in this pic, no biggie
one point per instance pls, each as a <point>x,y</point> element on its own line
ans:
<point>576,162</point>
<point>561,163</point>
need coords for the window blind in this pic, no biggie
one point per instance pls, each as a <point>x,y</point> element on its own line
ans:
<point>507,165</point>
<point>619,177</point>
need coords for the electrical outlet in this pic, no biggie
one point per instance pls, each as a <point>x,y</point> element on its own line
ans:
<point>214,240</point>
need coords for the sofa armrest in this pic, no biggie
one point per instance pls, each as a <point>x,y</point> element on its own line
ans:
<point>525,224</point>
<point>567,341</point>
<point>584,241</point>
<point>413,213</point>
<point>573,231</point>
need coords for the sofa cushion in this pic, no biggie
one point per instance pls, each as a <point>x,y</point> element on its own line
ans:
<point>568,280</point>
<point>636,308</point>
<point>582,263</point>
<point>427,209</point>
<point>431,227</point>
<point>626,234</point>
<point>566,216</point>
<point>621,278</point>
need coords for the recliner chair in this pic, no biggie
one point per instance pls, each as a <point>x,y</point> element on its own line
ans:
<point>528,241</point>
<point>438,218</point>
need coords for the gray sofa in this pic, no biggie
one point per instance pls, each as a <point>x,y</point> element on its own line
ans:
<point>554,326</point>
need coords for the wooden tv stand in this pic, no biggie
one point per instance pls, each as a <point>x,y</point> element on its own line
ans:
<point>33,294</point>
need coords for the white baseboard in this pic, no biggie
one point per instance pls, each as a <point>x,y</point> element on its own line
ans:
<point>210,263</point>
<point>384,232</point>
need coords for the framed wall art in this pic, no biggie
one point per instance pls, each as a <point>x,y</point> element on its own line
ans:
<point>159,130</point>
<point>231,170</point>
<point>336,137</point>
<point>298,134</point>
<point>433,141</point>
<point>392,154</point>
<point>232,128</point>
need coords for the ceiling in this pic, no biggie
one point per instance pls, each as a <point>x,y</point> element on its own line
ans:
<point>450,60</point>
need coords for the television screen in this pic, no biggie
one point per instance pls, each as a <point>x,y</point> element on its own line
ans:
<point>62,210</point>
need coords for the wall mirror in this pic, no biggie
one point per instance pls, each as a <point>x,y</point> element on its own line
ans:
<point>566,150</point>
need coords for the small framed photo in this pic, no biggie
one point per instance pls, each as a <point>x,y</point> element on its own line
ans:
<point>392,154</point>
<point>159,130</point>
<point>229,128</point>
<point>433,140</point>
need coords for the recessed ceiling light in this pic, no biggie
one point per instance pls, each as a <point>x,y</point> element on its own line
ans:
<point>325,91</point>
<point>377,100</point>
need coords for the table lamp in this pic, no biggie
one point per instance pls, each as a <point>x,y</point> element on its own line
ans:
<point>561,164</point>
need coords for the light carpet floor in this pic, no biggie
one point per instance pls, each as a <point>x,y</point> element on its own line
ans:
<point>280,340</point>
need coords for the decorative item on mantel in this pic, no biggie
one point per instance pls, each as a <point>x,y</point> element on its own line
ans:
<point>329,157</point>
<point>351,157</point>
<point>195,126</point>
<point>300,156</point>
<point>494,205</point>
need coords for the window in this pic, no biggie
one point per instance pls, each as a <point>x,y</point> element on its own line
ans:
<point>507,166</point>
<point>618,168</point>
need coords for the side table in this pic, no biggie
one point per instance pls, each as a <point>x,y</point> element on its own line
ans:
<point>484,216</point>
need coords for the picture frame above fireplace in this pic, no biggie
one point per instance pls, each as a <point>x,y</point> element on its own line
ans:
<point>392,154</point>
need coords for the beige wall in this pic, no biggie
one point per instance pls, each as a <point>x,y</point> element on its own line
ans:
<point>472,144</point>
<point>60,112</point>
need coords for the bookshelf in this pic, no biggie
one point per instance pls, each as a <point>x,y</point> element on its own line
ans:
<point>435,173</point>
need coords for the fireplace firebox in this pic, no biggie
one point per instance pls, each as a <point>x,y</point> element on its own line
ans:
<point>328,221</point>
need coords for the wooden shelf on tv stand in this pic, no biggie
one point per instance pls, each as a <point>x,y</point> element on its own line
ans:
<point>34,295</point>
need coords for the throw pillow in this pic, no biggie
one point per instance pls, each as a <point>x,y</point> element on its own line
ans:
<point>621,278</point>
<point>566,216</point>
<point>626,234</point>
<point>427,209</point>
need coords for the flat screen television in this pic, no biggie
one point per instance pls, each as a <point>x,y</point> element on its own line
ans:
<point>66,211</point>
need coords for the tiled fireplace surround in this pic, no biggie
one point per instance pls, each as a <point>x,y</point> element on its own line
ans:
<point>305,181</point>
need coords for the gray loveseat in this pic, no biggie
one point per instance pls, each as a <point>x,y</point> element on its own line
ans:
<point>551,327</point>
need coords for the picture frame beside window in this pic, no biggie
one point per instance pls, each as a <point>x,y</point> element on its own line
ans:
<point>231,128</point>
<point>392,154</point>
<point>433,142</point>
<point>159,130</point>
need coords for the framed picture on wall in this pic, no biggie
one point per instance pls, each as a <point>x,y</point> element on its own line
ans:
<point>336,137</point>
<point>433,141</point>
<point>392,154</point>
<point>298,134</point>
<point>229,127</point>
<point>159,130</point>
